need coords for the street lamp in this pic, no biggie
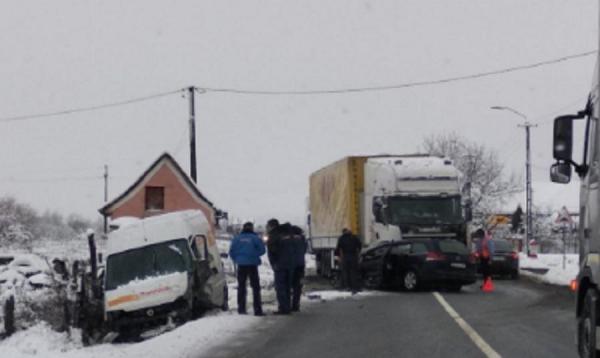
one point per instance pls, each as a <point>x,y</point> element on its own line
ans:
<point>526,124</point>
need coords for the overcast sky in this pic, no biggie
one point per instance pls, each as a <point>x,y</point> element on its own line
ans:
<point>255,153</point>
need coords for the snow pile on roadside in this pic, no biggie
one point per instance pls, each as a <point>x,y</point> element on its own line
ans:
<point>550,268</point>
<point>190,340</point>
<point>40,340</point>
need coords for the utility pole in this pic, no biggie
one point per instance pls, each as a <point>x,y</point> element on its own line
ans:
<point>191,90</point>
<point>105,196</point>
<point>528,193</point>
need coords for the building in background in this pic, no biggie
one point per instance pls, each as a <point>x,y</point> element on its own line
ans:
<point>164,187</point>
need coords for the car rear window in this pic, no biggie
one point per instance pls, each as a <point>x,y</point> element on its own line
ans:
<point>502,245</point>
<point>453,247</point>
<point>418,248</point>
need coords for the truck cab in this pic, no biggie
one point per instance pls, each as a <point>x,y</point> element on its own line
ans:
<point>419,195</point>
<point>588,170</point>
<point>161,269</point>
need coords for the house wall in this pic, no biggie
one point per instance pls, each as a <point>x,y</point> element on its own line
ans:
<point>176,197</point>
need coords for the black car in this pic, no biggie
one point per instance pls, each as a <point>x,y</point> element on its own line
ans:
<point>414,263</point>
<point>504,261</point>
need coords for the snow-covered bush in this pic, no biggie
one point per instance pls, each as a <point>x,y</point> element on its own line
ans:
<point>38,294</point>
<point>22,228</point>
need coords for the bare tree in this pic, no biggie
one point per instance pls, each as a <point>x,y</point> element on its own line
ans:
<point>481,167</point>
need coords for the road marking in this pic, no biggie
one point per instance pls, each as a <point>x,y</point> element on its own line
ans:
<point>475,337</point>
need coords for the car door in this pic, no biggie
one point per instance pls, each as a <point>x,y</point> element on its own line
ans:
<point>397,261</point>
<point>372,260</point>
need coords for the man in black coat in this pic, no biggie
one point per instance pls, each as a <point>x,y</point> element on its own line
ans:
<point>300,247</point>
<point>281,256</point>
<point>348,247</point>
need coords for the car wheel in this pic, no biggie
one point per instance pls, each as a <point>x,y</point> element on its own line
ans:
<point>454,288</point>
<point>586,326</point>
<point>225,304</point>
<point>410,280</point>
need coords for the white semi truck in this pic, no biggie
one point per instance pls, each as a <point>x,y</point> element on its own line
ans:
<point>160,269</point>
<point>587,166</point>
<point>384,197</point>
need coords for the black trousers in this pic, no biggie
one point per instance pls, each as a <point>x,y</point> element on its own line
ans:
<point>350,276</point>
<point>243,273</point>
<point>283,288</point>
<point>297,277</point>
<point>486,270</point>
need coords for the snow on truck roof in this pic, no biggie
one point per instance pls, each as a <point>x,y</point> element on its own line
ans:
<point>155,229</point>
<point>420,167</point>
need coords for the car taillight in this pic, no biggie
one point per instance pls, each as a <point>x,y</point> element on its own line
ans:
<point>514,255</point>
<point>434,256</point>
<point>573,285</point>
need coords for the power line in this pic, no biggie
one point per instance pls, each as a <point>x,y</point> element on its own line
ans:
<point>50,180</point>
<point>307,92</point>
<point>91,108</point>
<point>397,86</point>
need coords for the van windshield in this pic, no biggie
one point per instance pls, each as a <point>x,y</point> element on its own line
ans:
<point>143,262</point>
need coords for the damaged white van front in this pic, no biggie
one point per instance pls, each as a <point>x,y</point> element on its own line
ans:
<point>160,269</point>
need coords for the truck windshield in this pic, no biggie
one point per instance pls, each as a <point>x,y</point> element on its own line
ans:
<point>152,260</point>
<point>424,210</point>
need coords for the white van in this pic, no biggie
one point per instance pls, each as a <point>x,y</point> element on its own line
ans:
<point>161,268</point>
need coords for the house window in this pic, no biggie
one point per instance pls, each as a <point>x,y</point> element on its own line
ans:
<point>155,198</point>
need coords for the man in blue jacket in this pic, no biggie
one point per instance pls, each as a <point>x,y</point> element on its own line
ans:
<point>245,251</point>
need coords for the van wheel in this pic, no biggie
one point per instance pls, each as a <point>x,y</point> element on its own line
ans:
<point>586,326</point>
<point>410,281</point>
<point>225,305</point>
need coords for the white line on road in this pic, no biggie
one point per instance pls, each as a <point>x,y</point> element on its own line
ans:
<point>475,337</point>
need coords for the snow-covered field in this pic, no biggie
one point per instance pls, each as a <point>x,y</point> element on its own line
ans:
<point>190,340</point>
<point>555,269</point>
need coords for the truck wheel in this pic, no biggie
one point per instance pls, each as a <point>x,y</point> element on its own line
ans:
<point>410,280</point>
<point>225,305</point>
<point>586,326</point>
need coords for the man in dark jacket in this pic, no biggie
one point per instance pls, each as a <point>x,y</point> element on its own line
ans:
<point>300,247</point>
<point>245,251</point>
<point>348,247</point>
<point>281,257</point>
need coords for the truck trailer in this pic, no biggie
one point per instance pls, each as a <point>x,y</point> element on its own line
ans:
<point>384,197</point>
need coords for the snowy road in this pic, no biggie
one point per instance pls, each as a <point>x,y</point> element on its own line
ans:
<point>520,319</point>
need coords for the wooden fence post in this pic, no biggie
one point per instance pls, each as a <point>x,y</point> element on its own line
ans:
<point>9,316</point>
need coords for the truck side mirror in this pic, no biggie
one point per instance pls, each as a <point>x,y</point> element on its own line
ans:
<point>563,138</point>
<point>560,173</point>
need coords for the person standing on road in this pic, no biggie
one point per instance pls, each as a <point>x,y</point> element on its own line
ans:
<point>485,250</point>
<point>245,251</point>
<point>300,247</point>
<point>348,247</point>
<point>281,256</point>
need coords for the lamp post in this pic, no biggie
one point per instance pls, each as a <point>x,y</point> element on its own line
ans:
<point>527,125</point>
